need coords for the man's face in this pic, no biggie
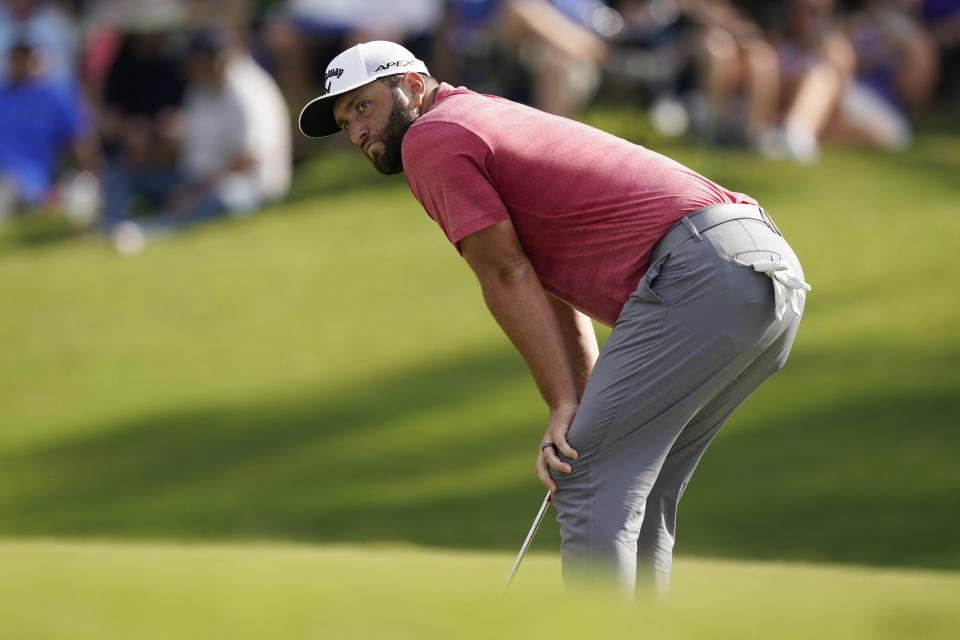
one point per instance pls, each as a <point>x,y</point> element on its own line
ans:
<point>21,64</point>
<point>377,116</point>
<point>206,70</point>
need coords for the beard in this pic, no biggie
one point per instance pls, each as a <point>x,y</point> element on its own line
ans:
<point>390,161</point>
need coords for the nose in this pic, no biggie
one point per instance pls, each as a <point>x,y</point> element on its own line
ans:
<point>358,132</point>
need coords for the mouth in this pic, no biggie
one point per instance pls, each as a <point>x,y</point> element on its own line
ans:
<point>368,146</point>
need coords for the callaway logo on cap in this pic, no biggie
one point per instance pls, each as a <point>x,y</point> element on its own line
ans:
<point>354,68</point>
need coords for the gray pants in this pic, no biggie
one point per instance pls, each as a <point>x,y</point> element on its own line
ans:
<point>697,337</point>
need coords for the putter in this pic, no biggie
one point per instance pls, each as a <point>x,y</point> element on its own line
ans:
<point>529,539</point>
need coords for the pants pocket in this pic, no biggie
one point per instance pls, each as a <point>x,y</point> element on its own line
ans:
<point>645,292</point>
<point>747,259</point>
<point>789,288</point>
<point>666,278</point>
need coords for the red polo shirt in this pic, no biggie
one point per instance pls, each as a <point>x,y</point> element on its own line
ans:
<point>587,206</point>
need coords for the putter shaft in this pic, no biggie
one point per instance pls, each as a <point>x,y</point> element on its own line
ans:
<point>528,540</point>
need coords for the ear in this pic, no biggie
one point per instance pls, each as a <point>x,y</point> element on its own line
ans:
<point>416,86</point>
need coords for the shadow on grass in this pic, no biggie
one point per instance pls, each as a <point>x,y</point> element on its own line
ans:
<point>310,468</point>
<point>36,229</point>
<point>865,479</point>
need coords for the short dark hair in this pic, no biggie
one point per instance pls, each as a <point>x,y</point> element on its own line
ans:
<point>209,42</point>
<point>391,81</point>
<point>394,81</point>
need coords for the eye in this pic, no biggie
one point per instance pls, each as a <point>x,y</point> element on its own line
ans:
<point>362,106</point>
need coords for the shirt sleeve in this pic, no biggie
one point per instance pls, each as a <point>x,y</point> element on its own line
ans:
<point>72,120</point>
<point>449,169</point>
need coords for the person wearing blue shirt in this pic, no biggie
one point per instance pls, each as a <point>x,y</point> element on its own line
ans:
<point>39,120</point>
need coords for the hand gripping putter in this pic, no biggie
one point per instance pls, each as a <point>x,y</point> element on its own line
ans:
<point>529,539</point>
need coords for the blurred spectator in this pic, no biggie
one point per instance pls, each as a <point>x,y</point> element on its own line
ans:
<point>816,63</point>
<point>557,42</point>
<point>100,45</point>
<point>140,111</point>
<point>517,49</point>
<point>651,61</point>
<point>236,146</point>
<point>39,120</point>
<point>48,30</point>
<point>467,45</point>
<point>235,155</point>
<point>896,71</point>
<point>230,14</point>
<point>942,18</point>
<point>738,73</point>
<point>301,36</point>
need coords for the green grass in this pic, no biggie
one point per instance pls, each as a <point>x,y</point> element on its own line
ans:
<point>121,591</point>
<point>325,372</point>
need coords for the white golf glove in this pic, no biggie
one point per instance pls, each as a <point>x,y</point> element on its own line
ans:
<point>787,287</point>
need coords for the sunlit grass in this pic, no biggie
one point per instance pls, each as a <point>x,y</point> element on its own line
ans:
<point>56,591</point>
<point>326,371</point>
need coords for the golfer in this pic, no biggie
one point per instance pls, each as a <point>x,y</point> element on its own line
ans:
<point>562,223</point>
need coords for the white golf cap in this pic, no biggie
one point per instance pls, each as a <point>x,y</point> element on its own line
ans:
<point>354,68</point>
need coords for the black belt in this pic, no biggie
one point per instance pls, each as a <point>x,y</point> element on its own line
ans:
<point>704,218</point>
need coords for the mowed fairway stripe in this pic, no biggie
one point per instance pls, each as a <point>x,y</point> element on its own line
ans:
<point>73,590</point>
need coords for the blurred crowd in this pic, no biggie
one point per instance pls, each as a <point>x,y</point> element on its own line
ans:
<point>147,116</point>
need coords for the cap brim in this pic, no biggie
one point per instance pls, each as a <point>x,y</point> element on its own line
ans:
<point>316,119</point>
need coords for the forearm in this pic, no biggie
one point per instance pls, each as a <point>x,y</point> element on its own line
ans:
<point>523,310</point>
<point>580,342</point>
